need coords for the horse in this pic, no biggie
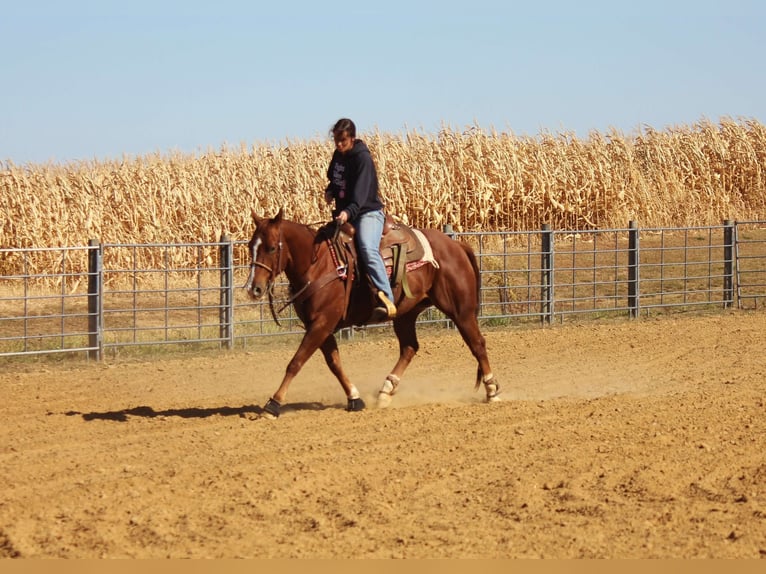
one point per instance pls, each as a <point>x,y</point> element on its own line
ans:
<point>328,296</point>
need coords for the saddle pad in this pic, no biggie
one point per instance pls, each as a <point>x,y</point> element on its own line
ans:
<point>428,254</point>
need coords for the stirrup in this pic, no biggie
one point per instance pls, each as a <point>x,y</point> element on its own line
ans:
<point>390,307</point>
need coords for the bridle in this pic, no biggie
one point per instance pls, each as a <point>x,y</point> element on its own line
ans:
<point>309,286</point>
<point>273,272</point>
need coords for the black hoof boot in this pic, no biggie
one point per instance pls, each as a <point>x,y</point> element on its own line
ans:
<point>272,408</point>
<point>355,405</point>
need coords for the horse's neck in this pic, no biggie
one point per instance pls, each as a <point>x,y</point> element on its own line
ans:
<point>300,251</point>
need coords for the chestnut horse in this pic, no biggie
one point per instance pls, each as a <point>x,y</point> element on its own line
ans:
<point>318,285</point>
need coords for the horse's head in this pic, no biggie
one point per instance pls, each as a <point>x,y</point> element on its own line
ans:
<point>266,258</point>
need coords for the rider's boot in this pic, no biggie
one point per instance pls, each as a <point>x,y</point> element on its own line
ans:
<point>386,309</point>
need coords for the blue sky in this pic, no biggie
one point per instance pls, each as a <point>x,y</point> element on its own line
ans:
<point>84,80</point>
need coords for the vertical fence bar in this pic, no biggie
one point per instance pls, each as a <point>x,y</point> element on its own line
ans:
<point>25,275</point>
<point>546,281</point>
<point>728,263</point>
<point>166,277</point>
<point>62,308</point>
<point>633,275</point>
<point>95,307</point>
<point>737,266</point>
<point>226,313</point>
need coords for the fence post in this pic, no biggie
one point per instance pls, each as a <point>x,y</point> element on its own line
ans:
<point>546,266</point>
<point>226,312</point>
<point>95,315</point>
<point>634,300</point>
<point>728,263</point>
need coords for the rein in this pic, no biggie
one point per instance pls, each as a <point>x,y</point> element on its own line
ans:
<point>340,272</point>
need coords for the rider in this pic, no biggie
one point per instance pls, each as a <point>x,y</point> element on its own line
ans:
<point>354,188</point>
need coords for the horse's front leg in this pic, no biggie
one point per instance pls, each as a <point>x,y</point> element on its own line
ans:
<point>332,358</point>
<point>315,335</point>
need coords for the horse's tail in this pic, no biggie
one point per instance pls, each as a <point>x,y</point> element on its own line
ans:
<point>475,265</point>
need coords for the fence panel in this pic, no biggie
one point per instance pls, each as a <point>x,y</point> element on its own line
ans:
<point>99,299</point>
<point>591,272</point>
<point>170,302</point>
<point>750,245</point>
<point>683,267</point>
<point>511,274</point>
<point>44,302</point>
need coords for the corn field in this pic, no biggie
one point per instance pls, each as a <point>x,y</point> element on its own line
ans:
<point>474,180</point>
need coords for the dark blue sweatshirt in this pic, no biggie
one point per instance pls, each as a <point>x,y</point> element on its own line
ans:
<point>354,181</point>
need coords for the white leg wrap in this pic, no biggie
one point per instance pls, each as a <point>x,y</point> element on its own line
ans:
<point>387,390</point>
<point>390,384</point>
<point>492,388</point>
<point>354,394</point>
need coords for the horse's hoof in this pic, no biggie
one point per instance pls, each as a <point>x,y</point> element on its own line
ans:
<point>493,391</point>
<point>355,405</point>
<point>384,400</point>
<point>271,409</point>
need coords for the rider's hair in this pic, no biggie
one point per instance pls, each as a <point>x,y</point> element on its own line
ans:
<point>344,125</point>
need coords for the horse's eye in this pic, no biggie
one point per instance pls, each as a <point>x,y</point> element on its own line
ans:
<point>271,250</point>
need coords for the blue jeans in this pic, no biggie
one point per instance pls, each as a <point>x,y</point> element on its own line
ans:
<point>369,229</point>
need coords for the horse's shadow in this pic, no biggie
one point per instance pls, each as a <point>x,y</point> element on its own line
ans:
<point>148,412</point>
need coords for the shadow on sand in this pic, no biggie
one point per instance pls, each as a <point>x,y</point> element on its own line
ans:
<point>192,412</point>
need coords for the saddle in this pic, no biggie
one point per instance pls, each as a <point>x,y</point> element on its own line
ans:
<point>399,245</point>
<point>398,236</point>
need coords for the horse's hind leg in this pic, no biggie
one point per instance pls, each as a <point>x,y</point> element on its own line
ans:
<point>404,327</point>
<point>463,312</point>
<point>332,358</point>
<point>468,326</point>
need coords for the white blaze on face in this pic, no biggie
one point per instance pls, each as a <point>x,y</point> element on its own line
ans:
<point>253,256</point>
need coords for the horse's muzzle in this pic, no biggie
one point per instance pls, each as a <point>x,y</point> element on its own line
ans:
<point>255,292</point>
<point>254,286</point>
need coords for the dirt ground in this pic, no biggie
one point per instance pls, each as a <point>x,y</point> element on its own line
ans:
<point>617,439</point>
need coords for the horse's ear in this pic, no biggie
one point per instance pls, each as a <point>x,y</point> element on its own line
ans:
<point>257,220</point>
<point>278,216</point>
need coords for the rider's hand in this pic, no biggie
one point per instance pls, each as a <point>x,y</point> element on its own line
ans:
<point>342,217</point>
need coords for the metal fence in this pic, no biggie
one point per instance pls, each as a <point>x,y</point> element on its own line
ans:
<point>101,300</point>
